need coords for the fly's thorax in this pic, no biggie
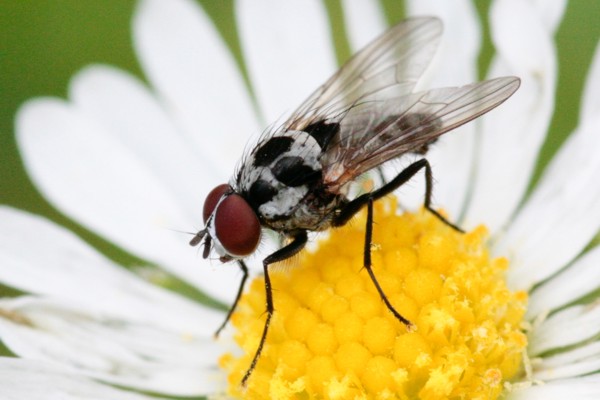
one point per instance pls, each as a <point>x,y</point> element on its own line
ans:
<point>279,174</point>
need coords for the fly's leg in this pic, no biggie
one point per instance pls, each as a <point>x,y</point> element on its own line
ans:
<point>244,269</point>
<point>404,176</point>
<point>297,244</point>
<point>367,199</point>
<point>367,265</point>
<point>429,190</point>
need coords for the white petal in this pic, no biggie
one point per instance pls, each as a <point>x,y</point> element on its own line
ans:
<point>551,12</point>
<point>364,21</point>
<point>288,51</point>
<point>562,214</point>
<point>575,282</point>
<point>40,257</point>
<point>590,106</point>
<point>127,110</point>
<point>513,134</point>
<point>455,64</point>
<point>577,362</point>
<point>114,350</point>
<point>196,76</point>
<point>567,327</point>
<point>581,388</point>
<point>581,353</point>
<point>94,178</point>
<point>39,380</point>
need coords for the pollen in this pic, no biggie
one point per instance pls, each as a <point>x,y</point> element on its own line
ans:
<point>332,336</point>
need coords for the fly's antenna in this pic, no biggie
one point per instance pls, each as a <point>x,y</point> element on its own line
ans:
<point>207,242</point>
<point>206,251</point>
<point>198,238</point>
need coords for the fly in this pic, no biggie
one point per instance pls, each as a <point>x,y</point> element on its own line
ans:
<point>296,178</point>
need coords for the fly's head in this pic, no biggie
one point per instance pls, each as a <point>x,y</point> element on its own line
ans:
<point>231,225</point>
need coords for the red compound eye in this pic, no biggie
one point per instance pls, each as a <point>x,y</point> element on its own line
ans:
<point>213,198</point>
<point>237,226</point>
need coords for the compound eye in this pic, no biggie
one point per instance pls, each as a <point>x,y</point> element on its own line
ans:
<point>237,226</point>
<point>213,198</point>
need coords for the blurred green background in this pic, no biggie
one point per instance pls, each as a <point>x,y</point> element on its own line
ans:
<point>43,43</point>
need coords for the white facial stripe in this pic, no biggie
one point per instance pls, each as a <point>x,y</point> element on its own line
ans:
<point>211,230</point>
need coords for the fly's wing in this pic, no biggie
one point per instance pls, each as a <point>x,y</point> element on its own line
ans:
<point>375,131</point>
<point>393,63</point>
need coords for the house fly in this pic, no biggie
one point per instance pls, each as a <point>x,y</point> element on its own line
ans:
<point>296,178</point>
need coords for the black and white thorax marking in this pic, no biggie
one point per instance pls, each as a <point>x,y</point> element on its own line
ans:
<point>282,180</point>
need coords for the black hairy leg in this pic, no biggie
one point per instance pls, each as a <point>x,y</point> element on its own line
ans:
<point>404,176</point>
<point>244,270</point>
<point>298,242</point>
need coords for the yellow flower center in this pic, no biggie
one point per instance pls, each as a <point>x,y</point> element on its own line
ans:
<point>331,336</point>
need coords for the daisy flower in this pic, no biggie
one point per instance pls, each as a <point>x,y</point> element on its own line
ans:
<point>507,309</point>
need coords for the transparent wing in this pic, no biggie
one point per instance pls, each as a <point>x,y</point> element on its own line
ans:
<point>376,131</point>
<point>393,63</point>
